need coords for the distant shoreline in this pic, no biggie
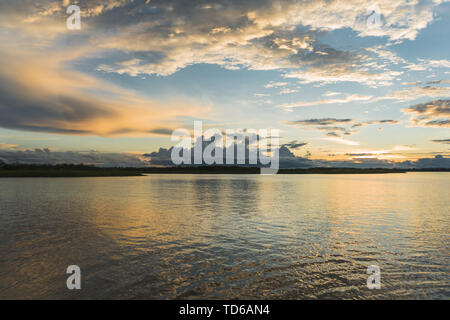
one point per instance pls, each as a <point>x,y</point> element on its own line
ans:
<point>29,171</point>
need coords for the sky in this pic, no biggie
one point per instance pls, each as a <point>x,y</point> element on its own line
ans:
<point>345,80</point>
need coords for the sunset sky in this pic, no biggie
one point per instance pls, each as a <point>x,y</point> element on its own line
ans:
<point>315,70</point>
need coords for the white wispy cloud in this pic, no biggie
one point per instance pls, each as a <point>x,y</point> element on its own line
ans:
<point>349,98</point>
<point>331,94</point>
<point>424,64</point>
<point>414,93</point>
<point>340,140</point>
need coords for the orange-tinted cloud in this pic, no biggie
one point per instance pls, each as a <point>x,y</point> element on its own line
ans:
<point>38,92</point>
<point>434,113</point>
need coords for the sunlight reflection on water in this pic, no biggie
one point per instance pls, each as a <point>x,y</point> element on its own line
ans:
<point>226,236</point>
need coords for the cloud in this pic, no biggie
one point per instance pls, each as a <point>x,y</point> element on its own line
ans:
<point>287,91</point>
<point>444,141</point>
<point>321,122</point>
<point>412,83</point>
<point>287,159</point>
<point>434,113</point>
<point>424,64</point>
<point>437,123</point>
<point>414,93</point>
<point>392,153</point>
<point>273,84</point>
<point>331,94</point>
<point>438,81</point>
<point>344,71</point>
<point>438,161</point>
<point>295,144</point>
<point>371,122</point>
<point>46,156</point>
<point>337,128</point>
<point>336,131</point>
<point>162,131</point>
<point>38,92</point>
<point>7,146</point>
<point>386,55</point>
<point>162,157</point>
<point>350,98</point>
<point>340,140</point>
<point>256,34</point>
